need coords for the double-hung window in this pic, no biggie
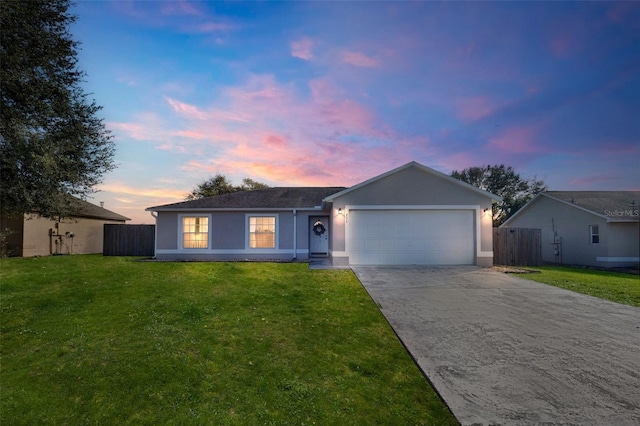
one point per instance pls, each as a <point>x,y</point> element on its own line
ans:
<point>262,232</point>
<point>195,232</point>
<point>594,234</point>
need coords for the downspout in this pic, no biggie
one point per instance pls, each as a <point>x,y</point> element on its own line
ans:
<point>155,233</point>
<point>295,236</point>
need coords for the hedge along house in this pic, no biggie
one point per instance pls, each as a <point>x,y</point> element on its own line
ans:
<point>409,215</point>
<point>589,228</point>
<point>82,232</point>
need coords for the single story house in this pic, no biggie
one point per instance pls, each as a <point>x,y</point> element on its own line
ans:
<point>590,228</point>
<point>32,235</point>
<point>410,215</point>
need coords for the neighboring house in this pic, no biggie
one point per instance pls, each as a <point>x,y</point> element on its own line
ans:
<point>409,215</point>
<point>591,228</point>
<point>33,235</point>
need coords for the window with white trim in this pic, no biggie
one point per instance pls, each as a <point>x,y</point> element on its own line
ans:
<point>594,234</point>
<point>195,232</point>
<point>262,232</point>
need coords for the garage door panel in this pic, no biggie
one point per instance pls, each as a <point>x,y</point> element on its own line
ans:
<point>399,237</point>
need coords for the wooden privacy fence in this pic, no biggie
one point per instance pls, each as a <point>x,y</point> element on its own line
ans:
<point>517,246</point>
<point>129,240</point>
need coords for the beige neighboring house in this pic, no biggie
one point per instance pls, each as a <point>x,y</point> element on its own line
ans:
<point>590,228</point>
<point>32,235</point>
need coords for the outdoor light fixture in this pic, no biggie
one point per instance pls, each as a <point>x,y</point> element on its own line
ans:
<point>340,211</point>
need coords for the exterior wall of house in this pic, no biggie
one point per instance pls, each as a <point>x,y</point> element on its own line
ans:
<point>573,234</point>
<point>167,231</point>
<point>229,236</point>
<point>414,186</point>
<point>227,231</point>
<point>38,240</point>
<point>623,244</point>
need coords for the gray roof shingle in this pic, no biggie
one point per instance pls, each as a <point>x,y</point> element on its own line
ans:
<point>268,198</point>
<point>82,208</point>
<point>616,205</point>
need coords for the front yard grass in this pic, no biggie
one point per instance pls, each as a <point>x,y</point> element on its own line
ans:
<point>617,287</point>
<point>107,340</point>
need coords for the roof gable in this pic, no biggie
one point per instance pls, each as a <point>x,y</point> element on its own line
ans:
<point>267,198</point>
<point>614,206</point>
<point>82,208</point>
<point>423,168</point>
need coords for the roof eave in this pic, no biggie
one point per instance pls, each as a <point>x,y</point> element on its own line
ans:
<point>521,210</point>
<point>120,219</point>
<point>584,209</point>
<point>230,209</point>
<point>422,167</point>
<point>609,219</point>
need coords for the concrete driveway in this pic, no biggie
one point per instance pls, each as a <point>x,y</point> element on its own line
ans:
<point>504,350</point>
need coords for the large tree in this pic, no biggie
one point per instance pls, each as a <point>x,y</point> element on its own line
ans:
<point>503,181</point>
<point>220,184</point>
<point>52,143</point>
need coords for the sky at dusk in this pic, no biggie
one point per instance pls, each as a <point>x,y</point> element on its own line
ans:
<point>334,93</point>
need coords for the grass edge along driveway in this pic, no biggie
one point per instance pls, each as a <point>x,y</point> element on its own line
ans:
<point>108,340</point>
<point>614,286</point>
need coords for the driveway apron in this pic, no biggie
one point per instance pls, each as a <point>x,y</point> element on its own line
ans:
<point>505,350</point>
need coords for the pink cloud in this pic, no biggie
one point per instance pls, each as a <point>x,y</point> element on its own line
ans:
<point>275,141</point>
<point>568,36</point>
<point>618,148</point>
<point>131,201</point>
<point>182,16</point>
<point>518,140</point>
<point>180,7</point>
<point>195,166</point>
<point>127,79</point>
<point>124,189</point>
<point>186,109</point>
<point>620,11</point>
<point>562,46</point>
<point>209,27</point>
<point>146,127</point>
<point>125,200</point>
<point>359,59</point>
<point>259,88</point>
<point>459,161</point>
<point>190,134</point>
<point>268,131</point>
<point>133,130</point>
<point>302,49</point>
<point>474,108</point>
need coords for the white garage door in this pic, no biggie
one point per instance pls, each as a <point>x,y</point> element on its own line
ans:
<point>410,237</point>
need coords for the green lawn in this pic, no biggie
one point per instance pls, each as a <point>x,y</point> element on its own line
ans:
<point>617,287</point>
<point>104,340</point>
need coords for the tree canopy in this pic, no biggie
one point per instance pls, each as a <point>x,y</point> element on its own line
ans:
<point>52,144</point>
<point>503,181</point>
<point>220,184</point>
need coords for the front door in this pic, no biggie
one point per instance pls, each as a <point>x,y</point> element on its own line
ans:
<point>318,235</point>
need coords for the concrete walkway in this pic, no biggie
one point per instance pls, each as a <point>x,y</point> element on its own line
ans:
<point>504,350</point>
